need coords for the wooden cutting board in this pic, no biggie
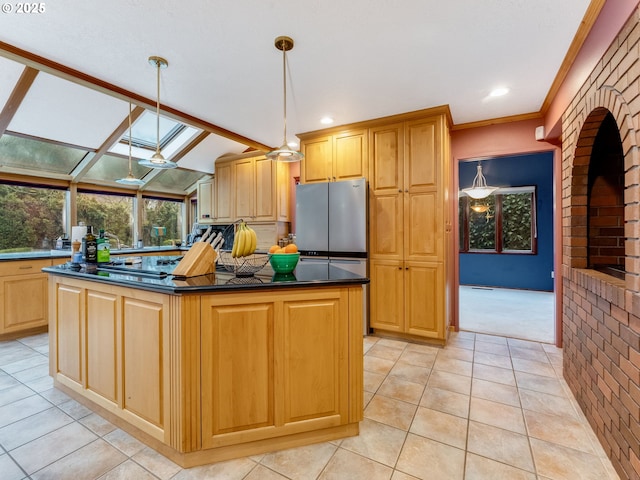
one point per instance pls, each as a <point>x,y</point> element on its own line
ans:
<point>199,260</point>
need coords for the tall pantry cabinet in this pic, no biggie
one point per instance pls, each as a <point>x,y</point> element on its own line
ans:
<point>408,169</point>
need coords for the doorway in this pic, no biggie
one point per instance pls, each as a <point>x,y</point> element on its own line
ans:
<point>506,272</point>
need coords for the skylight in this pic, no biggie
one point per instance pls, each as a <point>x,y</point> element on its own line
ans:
<point>143,131</point>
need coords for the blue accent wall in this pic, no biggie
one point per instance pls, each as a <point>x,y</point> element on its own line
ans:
<point>531,272</point>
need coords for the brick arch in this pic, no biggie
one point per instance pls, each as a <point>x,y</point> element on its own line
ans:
<point>580,144</point>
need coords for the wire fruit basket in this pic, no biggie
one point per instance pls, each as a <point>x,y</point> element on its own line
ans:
<point>243,266</point>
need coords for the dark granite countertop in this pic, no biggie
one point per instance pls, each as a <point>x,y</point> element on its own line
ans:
<point>154,273</point>
<point>44,254</point>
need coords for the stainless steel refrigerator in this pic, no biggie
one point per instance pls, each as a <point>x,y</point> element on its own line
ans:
<point>331,228</point>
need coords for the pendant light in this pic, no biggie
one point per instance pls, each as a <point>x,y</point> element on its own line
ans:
<point>479,188</point>
<point>157,160</point>
<point>130,179</point>
<point>285,153</point>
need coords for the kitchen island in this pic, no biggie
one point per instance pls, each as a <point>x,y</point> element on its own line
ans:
<point>214,367</point>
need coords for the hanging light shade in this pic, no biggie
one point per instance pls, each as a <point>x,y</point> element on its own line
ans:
<point>479,189</point>
<point>285,153</point>
<point>157,160</point>
<point>130,179</point>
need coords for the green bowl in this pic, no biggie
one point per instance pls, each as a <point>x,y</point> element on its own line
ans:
<point>283,262</point>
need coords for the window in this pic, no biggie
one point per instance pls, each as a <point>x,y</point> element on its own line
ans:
<point>501,223</point>
<point>31,218</point>
<point>162,221</point>
<point>113,213</point>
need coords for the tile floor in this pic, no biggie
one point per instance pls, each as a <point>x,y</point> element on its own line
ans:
<point>525,314</point>
<point>484,407</point>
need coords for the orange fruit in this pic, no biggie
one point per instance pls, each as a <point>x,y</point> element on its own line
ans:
<point>280,250</point>
<point>273,248</point>
<point>291,248</point>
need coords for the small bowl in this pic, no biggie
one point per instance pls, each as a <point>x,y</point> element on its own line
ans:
<point>283,262</point>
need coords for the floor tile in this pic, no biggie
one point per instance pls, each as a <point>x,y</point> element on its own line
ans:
<point>481,468</point>
<point>390,412</point>
<point>492,359</point>
<point>345,464</point>
<point>410,373</point>
<point>124,442</point>
<point>36,340</point>
<point>156,463</point>
<point>429,460</point>
<point>20,365</point>
<point>528,354</point>
<point>482,337</point>
<point>516,342</point>
<point>400,389</point>
<point>387,342</point>
<point>424,349</point>
<point>546,403</point>
<point>501,445</point>
<point>549,385</point>
<point>230,470</point>
<point>456,353</point>
<point>490,347</point>
<point>261,472</point>
<point>377,441</point>
<point>7,381</point>
<point>51,447</point>
<point>397,475</point>
<point>32,373</point>
<point>562,430</point>
<point>372,381</point>
<point>446,401</point>
<point>562,463</point>
<point>494,374</point>
<point>301,463</point>
<point>441,427</point>
<point>128,470</point>
<point>382,351</point>
<point>97,424</point>
<point>15,393</point>
<point>20,409</point>
<point>496,392</point>
<point>10,470</point>
<point>497,414</point>
<point>367,398</point>
<point>534,367</point>
<point>74,409</point>
<point>90,461</point>
<point>381,366</point>
<point>453,365</point>
<point>55,396</point>
<point>414,357</point>
<point>450,381</point>
<point>29,428</point>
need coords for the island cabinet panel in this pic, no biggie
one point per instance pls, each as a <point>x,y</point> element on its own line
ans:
<point>143,359</point>
<point>315,361</point>
<point>273,367</point>
<point>102,338</point>
<point>237,368</point>
<point>69,305</point>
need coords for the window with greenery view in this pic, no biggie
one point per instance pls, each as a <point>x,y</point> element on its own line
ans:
<point>500,223</point>
<point>31,218</point>
<point>113,213</point>
<point>162,221</point>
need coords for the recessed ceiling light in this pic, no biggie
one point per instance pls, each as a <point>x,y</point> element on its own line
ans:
<point>498,92</point>
<point>326,120</point>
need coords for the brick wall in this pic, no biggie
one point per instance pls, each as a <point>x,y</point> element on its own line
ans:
<point>601,314</point>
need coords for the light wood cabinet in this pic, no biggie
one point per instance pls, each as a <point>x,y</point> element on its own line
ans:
<point>339,156</point>
<point>214,375</point>
<point>206,201</point>
<point>111,345</point>
<point>253,188</point>
<point>223,193</point>
<point>409,226</point>
<point>23,296</point>
<point>272,368</point>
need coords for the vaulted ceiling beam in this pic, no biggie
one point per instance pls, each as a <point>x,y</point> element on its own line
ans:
<point>17,96</point>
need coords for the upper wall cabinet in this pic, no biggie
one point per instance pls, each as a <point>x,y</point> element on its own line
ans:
<point>330,158</point>
<point>255,189</point>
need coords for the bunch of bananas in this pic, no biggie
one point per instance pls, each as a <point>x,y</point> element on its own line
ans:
<point>244,242</point>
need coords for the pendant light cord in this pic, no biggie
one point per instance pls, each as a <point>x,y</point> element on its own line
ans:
<point>284,83</point>
<point>130,171</point>
<point>158,108</point>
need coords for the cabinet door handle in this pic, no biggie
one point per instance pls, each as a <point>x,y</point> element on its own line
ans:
<point>26,267</point>
<point>407,190</point>
<point>406,268</point>
<point>399,190</point>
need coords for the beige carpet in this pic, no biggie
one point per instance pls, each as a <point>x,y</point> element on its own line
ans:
<point>524,314</point>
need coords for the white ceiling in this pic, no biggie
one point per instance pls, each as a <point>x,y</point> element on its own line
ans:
<point>353,60</point>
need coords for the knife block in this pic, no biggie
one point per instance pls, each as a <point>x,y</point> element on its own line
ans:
<point>199,260</point>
